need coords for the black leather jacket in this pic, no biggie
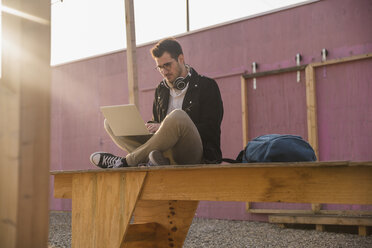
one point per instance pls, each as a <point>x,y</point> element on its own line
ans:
<point>204,105</point>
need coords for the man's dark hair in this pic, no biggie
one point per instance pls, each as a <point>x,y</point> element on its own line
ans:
<point>169,45</point>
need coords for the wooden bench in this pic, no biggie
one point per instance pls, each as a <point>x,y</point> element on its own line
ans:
<point>154,207</point>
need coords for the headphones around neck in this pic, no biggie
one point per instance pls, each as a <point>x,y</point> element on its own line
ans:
<point>180,83</point>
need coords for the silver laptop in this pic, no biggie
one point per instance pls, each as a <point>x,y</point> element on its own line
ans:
<point>125,120</point>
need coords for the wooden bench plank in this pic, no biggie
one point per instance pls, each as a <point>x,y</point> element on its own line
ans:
<point>63,179</point>
<point>295,182</point>
<point>340,185</point>
<point>220,166</point>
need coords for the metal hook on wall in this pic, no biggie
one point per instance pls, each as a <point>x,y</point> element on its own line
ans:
<point>298,59</point>
<point>254,68</point>
<point>324,54</point>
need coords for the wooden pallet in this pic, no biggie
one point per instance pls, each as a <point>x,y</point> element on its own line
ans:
<point>321,221</point>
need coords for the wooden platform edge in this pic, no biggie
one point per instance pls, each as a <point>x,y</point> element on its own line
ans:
<point>320,221</point>
<point>208,166</point>
<point>347,213</point>
<point>251,183</point>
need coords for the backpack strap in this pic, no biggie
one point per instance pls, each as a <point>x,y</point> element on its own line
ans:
<point>229,160</point>
<point>238,159</point>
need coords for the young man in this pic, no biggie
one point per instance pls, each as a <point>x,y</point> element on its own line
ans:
<point>187,115</point>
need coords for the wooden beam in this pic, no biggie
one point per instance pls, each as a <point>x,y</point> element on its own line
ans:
<point>311,106</point>
<point>102,205</point>
<point>320,227</point>
<point>278,211</point>
<point>302,67</point>
<point>316,207</point>
<point>145,235</point>
<point>187,16</point>
<point>335,164</point>
<point>174,216</point>
<point>343,60</point>
<point>274,72</point>
<point>347,213</point>
<point>63,186</point>
<point>261,184</point>
<point>363,231</point>
<point>142,232</point>
<point>311,99</point>
<point>321,220</point>
<point>131,53</point>
<point>25,124</point>
<point>349,184</point>
<point>245,123</point>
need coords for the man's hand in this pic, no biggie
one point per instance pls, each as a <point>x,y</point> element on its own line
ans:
<point>152,127</point>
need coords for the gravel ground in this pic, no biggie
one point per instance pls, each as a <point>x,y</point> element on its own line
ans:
<point>212,233</point>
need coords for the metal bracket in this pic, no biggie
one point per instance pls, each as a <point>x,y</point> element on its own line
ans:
<point>298,63</point>
<point>254,68</point>
<point>324,54</point>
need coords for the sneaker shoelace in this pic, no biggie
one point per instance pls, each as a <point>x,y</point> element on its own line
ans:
<point>111,161</point>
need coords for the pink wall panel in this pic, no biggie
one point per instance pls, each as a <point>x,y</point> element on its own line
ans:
<point>278,104</point>
<point>345,111</point>
<point>231,137</point>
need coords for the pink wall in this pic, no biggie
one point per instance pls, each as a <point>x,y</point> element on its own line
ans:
<point>345,120</point>
<point>277,105</point>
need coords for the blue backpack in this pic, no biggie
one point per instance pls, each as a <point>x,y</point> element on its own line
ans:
<point>276,148</point>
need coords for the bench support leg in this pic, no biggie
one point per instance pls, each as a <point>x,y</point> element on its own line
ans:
<point>174,217</point>
<point>102,205</point>
<point>363,231</point>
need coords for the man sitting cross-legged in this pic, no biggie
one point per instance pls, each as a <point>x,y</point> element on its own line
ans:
<point>187,115</point>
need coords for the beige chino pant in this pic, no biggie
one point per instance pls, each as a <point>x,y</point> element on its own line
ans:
<point>177,138</point>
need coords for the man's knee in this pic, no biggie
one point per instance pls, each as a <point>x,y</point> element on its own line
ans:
<point>178,120</point>
<point>178,116</point>
<point>106,125</point>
